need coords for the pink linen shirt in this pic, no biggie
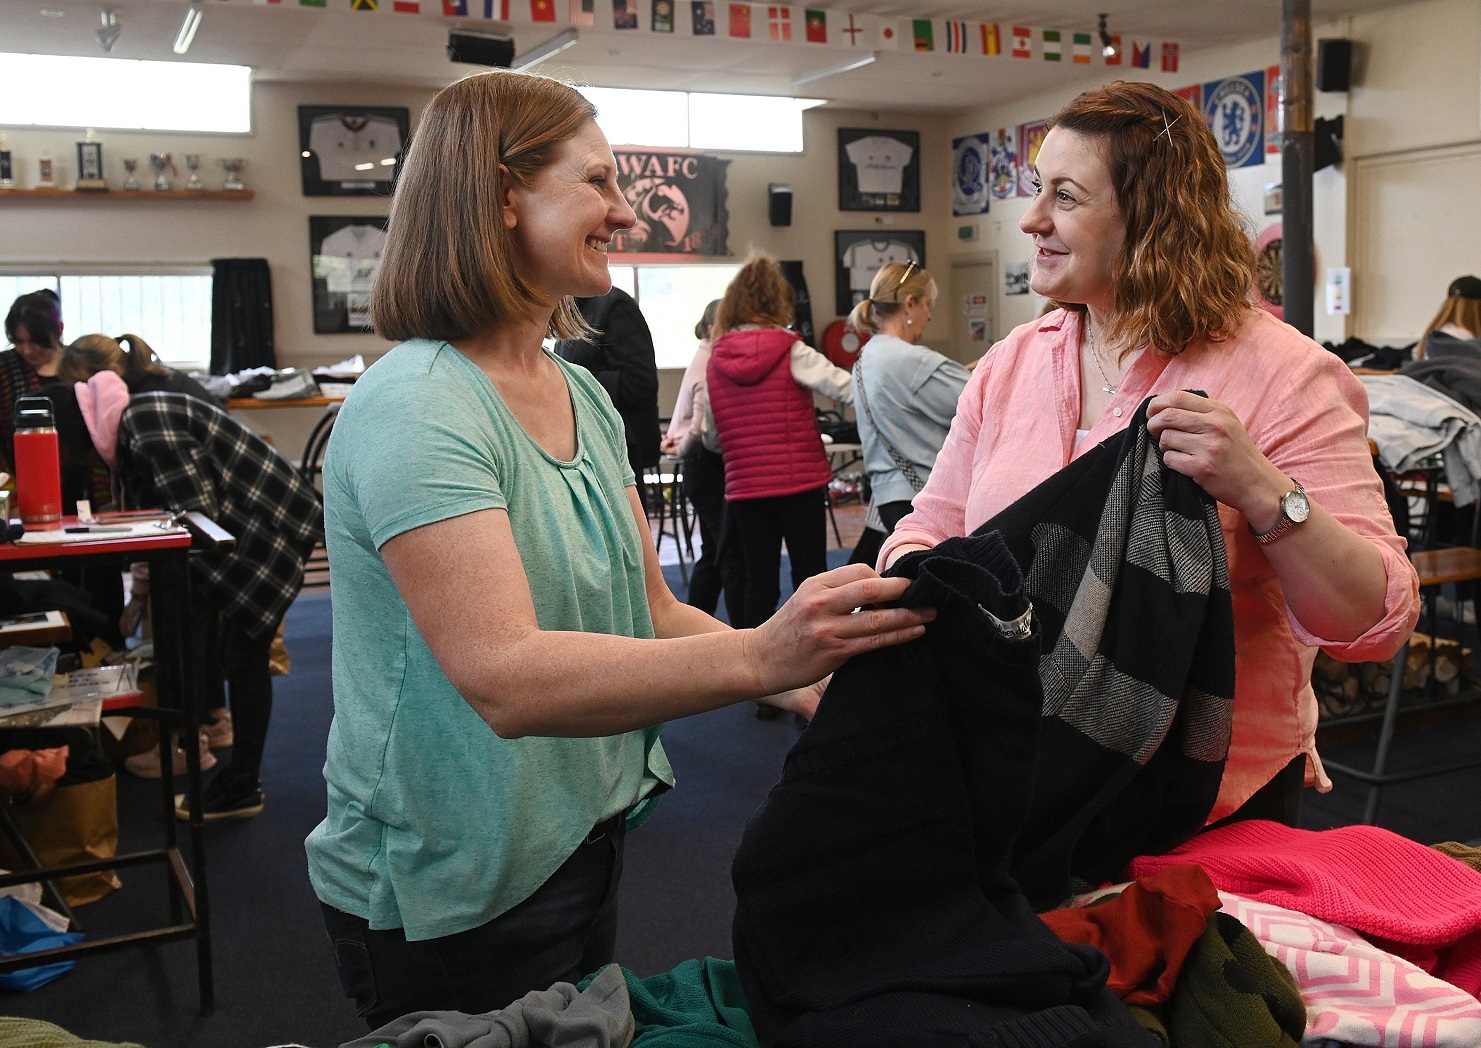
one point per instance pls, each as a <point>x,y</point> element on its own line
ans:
<point>1015,427</point>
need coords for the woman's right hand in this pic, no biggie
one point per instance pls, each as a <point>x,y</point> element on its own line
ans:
<point>818,629</point>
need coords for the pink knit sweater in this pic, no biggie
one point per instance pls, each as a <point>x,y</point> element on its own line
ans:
<point>1412,900</point>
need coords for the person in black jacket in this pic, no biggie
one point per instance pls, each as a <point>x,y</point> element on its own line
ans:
<point>621,356</point>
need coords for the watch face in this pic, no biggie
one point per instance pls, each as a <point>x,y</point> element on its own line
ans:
<point>1296,506</point>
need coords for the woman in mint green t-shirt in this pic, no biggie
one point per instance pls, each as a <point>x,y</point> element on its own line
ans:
<point>505,647</point>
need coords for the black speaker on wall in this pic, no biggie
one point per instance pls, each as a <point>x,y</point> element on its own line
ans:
<point>1333,65</point>
<point>483,49</point>
<point>779,204</point>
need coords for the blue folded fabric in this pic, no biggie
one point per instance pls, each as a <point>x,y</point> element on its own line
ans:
<point>21,931</point>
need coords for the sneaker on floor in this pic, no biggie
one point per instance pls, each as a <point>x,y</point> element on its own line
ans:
<point>146,764</point>
<point>227,797</point>
<point>219,735</point>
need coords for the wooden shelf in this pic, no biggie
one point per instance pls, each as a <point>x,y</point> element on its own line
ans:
<point>54,193</point>
<point>241,403</point>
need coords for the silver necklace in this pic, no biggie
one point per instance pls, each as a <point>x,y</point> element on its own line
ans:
<point>1095,356</point>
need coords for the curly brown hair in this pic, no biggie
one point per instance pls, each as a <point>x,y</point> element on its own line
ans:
<point>759,295</point>
<point>1188,265</point>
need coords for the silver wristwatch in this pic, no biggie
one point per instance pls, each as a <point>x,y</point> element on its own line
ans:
<point>1295,508</point>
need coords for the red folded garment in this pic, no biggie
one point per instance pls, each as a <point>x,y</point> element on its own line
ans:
<point>29,775</point>
<point>1146,930</point>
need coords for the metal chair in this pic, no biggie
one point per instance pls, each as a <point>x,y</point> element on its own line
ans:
<point>1435,568</point>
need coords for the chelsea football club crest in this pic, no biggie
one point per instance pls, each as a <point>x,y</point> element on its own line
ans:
<point>969,175</point>
<point>1235,113</point>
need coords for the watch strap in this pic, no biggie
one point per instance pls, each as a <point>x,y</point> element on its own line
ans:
<point>1282,525</point>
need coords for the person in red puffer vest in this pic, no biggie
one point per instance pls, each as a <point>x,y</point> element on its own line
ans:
<point>761,379</point>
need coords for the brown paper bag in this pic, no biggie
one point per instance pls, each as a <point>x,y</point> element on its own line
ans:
<point>73,824</point>
<point>278,661</point>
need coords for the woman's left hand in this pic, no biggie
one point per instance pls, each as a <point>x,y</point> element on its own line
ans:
<point>1204,440</point>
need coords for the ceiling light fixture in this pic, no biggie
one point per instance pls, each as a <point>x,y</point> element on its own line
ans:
<point>867,58</point>
<point>552,47</point>
<point>108,32</point>
<point>188,27</point>
<point>1107,45</point>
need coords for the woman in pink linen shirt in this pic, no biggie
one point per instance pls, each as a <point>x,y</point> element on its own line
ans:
<point>1137,243</point>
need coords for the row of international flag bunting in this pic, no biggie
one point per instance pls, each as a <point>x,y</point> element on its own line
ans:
<point>783,24</point>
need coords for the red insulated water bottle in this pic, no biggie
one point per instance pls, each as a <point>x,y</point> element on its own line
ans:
<point>38,470</point>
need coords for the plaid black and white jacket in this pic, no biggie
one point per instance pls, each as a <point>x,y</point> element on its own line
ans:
<point>179,453</point>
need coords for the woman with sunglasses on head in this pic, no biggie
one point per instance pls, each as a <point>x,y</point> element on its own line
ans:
<point>1138,244</point>
<point>905,393</point>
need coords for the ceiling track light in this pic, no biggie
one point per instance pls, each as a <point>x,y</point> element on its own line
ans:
<point>868,58</point>
<point>1107,44</point>
<point>192,22</point>
<point>552,47</point>
<point>108,33</point>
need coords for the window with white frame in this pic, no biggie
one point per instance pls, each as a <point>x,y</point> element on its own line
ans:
<point>124,93</point>
<point>672,299</point>
<point>733,123</point>
<point>168,307</point>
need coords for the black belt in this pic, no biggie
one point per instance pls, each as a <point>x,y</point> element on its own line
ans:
<point>605,828</point>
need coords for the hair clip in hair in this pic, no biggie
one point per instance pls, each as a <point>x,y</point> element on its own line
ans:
<point>909,268</point>
<point>1167,127</point>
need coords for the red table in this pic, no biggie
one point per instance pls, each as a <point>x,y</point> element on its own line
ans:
<point>175,662</point>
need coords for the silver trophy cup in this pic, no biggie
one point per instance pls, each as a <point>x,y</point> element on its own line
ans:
<point>160,163</point>
<point>233,166</point>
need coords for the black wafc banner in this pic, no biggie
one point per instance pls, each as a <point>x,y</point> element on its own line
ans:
<point>679,198</point>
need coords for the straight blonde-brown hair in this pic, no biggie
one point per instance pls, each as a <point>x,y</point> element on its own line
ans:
<point>83,358</point>
<point>449,268</point>
<point>758,295</point>
<point>1459,308</point>
<point>891,286</point>
<point>1188,265</point>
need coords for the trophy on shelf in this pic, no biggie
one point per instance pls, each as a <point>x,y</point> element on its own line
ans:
<point>233,166</point>
<point>160,162</point>
<point>131,164</point>
<point>193,161</point>
<point>90,163</point>
<point>7,174</point>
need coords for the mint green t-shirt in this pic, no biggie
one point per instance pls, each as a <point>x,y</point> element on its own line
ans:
<point>436,825</point>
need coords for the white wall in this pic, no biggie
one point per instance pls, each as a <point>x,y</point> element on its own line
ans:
<point>274,224</point>
<point>1416,87</point>
<point>1417,84</point>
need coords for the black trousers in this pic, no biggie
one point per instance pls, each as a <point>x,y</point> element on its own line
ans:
<point>238,662</point>
<point>763,525</point>
<point>721,566</point>
<point>563,932</point>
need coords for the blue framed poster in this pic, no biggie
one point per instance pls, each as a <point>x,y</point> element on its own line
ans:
<point>1234,109</point>
<point>969,175</point>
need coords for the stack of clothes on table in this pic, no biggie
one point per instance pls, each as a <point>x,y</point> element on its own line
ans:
<point>1432,407</point>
